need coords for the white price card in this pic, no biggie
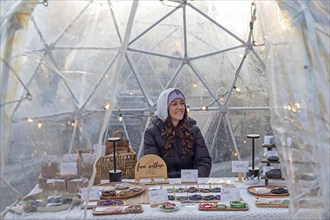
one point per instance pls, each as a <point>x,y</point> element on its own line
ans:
<point>239,166</point>
<point>68,168</point>
<point>70,157</point>
<point>145,180</point>
<point>189,176</point>
<point>94,193</point>
<point>269,139</point>
<point>158,196</point>
<point>230,194</point>
<point>272,153</point>
<point>265,169</point>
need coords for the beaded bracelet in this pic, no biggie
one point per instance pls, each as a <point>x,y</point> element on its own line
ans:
<point>237,204</point>
<point>216,189</point>
<point>209,197</point>
<point>207,205</point>
<point>109,202</point>
<point>221,206</point>
<point>195,197</point>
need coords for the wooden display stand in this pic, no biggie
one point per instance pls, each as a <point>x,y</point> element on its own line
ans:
<point>268,163</point>
<point>151,167</point>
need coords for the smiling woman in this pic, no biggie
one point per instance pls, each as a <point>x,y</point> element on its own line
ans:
<point>176,138</point>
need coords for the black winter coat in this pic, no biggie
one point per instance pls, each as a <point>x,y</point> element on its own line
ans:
<point>154,143</point>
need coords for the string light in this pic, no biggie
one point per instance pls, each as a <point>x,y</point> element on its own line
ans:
<point>106,106</point>
<point>39,125</point>
<point>120,116</point>
<point>204,108</point>
<point>29,120</point>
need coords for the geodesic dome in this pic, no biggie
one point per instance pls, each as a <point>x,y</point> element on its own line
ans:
<point>70,69</point>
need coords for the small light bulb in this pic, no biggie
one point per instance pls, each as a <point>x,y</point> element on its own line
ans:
<point>120,117</point>
<point>204,108</point>
<point>107,106</point>
<point>39,125</point>
<point>30,120</point>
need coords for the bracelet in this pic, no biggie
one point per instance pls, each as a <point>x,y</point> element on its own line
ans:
<point>209,197</point>
<point>195,197</point>
<point>207,205</point>
<point>221,206</point>
<point>237,204</point>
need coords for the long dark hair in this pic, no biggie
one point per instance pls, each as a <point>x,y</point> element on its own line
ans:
<point>182,131</point>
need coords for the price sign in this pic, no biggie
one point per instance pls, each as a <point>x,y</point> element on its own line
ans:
<point>94,193</point>
<point>157,196</point>
<point>68,168</point>
<point>189,176</point>
<point>272,153</point>
<point>266,169</point>
<point>230,194</point>
<point>70,157</point>
<point>269,139</point>
<point>240,166</point>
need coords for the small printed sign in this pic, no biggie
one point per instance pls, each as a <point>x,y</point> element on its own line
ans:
<point>269,139</point>
<point>272,153</point>
<point>230,194</point>
<point>240,166</point>
<point>189,176</point>
<point>94,193</point>
<point>266,169</point>
<point>157,196</point>
<point>70,157</point>
<point>68,168</point>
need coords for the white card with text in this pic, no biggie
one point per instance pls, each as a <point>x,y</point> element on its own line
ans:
<point>94,193</point>
<point>240,166</point>
<point>189,176</point>
<point>158,196</point>
<point>230,194</point>
<point>69,168</point>
<point>272,153</point>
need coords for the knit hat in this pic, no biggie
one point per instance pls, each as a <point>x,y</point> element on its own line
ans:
<point>164,99</point>
<point>175,94</point>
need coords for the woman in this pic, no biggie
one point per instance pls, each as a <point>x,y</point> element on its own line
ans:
<point>176,138</point>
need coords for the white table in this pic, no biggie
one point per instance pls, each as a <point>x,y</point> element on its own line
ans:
<point>187,211</point>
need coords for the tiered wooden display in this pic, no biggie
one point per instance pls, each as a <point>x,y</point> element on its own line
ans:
<point>125,160</point>
<point>268,163</point>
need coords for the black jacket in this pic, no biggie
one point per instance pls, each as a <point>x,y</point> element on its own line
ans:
<point>154,143</point>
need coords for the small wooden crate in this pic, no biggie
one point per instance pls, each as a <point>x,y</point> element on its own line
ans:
<point>125,161</point>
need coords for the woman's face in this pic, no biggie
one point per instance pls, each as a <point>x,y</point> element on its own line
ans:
<point>176,111</point>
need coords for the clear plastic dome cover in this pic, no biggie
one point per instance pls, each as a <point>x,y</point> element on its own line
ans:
<point>69,69</point>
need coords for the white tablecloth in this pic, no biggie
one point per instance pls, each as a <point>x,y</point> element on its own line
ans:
<point>187,211</point>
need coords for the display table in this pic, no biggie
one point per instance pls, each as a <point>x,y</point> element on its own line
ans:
<point>187,211</point>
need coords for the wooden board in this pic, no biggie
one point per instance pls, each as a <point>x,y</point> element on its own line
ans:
<point>272,203</point>
<point>228,208</point>
<point>113,210</point>
<point>252,190</point>
<point>94,203</point>
<point>261,205</point>
<point>130,194</point>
